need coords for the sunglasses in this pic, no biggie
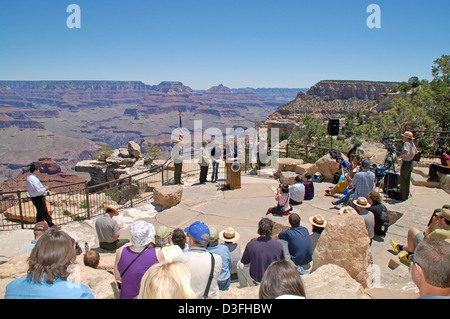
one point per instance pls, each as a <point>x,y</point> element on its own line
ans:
<point>413,260</point>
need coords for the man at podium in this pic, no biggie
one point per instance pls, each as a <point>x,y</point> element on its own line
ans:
<point>232,165</point>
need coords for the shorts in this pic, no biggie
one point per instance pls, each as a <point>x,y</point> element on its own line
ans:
<point>418,238</point>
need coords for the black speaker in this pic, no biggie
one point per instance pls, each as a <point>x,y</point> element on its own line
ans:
<point>333,127</point>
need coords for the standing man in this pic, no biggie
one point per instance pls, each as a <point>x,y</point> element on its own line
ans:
<point>36,191</point>
<point>408,152</point>
<point>177,157</point>
<point>204,162</point>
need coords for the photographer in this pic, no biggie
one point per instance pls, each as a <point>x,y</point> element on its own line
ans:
<point>408,151</point>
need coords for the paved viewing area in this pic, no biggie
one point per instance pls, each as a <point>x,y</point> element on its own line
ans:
<point>243,208</point>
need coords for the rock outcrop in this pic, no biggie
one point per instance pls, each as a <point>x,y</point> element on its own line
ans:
<point>345,243</point>
<point>167,196</point>
<point>343,90</point>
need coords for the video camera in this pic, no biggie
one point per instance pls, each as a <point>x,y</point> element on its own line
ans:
<point>388,142</point>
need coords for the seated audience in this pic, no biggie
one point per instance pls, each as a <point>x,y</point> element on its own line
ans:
<point>281,281</point>
<point>230,237</point>
<point>380,213</point>
<point>166,281</point>
<point>439,228</point>
<point>39,229</point>
<point>299,243</point>
<point>163,242</point>
<point>362,183</point>
<point>362,206</point>
<point>430,270</point>
<point>443,168</point>
<point>282,197</point>
<point>134,260</point>
<point>179,238</point>
<point>224,279</point>
<point>259,253</point>
<point>318,225</point>
<point>297,191</point>
<point>309,186</point>
<point>91,259</point>
<point>341,186</point>
<point>49,267</point>
<point>200,262</point>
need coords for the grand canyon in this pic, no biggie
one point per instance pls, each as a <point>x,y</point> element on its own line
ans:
<point>70,120</point>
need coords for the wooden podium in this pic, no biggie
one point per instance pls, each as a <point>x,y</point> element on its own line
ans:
<point>233,179</point>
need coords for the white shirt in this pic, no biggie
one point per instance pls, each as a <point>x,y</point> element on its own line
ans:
<point>34,186</point>
<point>176,154</point>
<point>297,192</point>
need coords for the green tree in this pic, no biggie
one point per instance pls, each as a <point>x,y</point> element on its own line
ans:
<point>104,153</point>
<point>154,152</point>
<point>440,86</point>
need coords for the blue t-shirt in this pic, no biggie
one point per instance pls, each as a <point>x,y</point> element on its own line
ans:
<point>25,288</point>
<point>299,244</point>
<point>227,262</point>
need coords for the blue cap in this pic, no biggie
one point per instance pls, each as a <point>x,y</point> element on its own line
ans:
<point>198,230</point>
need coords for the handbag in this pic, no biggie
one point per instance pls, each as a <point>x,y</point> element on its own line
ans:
<point>211,276</point>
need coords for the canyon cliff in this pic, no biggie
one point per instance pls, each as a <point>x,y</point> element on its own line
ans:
<point>71,120</point>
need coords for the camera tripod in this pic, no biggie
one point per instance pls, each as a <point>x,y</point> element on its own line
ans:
<point>389,165</point>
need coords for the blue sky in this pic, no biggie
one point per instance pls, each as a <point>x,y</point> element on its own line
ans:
<point>245,43</point>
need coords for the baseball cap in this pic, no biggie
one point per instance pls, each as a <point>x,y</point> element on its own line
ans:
<point>198,230</point>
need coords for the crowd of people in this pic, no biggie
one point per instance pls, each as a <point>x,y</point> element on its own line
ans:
<point>200,261</point>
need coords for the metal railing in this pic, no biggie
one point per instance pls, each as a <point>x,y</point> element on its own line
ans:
<point>77,201</point>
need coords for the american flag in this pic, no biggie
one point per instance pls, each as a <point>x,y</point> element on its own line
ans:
<point>180,134</point>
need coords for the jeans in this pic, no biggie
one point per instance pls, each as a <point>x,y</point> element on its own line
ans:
<point>345,199</point>
<point>215,171</point>
<point>225,285</point>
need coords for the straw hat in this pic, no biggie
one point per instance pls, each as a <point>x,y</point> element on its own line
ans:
<point>318,221</point>
<point>409,135</point>
<point>362,202</point>
<point>229,235</point>
<point>106,207</point>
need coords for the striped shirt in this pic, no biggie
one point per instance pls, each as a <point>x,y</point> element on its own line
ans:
<point>363,183</point>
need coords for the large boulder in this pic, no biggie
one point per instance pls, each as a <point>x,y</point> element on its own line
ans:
<point>326,166</point>
<point>167,196</point>
<point>345,242</point>
<point>134,149</point>
<point>332,282</point>
<point>444,182</point>
<point>289,165</point>
<point>28,212</point>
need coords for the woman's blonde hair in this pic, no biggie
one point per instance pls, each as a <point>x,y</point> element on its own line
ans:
<point>167,281</point>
